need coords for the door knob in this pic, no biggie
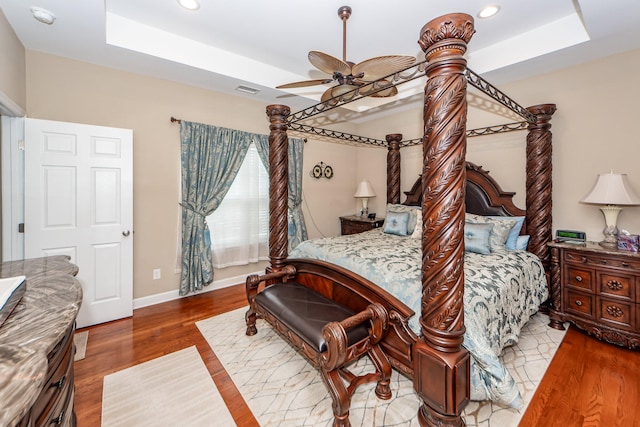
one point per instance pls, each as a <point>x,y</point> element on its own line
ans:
<point>126,233</point>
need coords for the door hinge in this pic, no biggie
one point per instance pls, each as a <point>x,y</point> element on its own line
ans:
<point>21,227</point>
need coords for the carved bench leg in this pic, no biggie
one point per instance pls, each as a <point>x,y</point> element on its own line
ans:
<point>251,288</point>
<point>383,368</point>
<point>341,399</point>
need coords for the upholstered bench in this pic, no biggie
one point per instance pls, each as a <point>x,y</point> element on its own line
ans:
<point>328,334</point>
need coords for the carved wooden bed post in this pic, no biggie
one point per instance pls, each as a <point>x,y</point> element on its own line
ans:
<point>539,167</point>
<point>443,381</point>
<point>393,168</point>
<point>278,185</point>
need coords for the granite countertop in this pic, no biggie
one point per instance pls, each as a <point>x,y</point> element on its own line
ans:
<point>594,247</point>
<point>48,307</point>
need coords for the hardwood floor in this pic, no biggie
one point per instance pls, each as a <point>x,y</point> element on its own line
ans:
<point>589,383</point>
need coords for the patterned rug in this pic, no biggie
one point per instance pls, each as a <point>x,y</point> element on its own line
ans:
<point>172,390</point>
<point>283,389</point>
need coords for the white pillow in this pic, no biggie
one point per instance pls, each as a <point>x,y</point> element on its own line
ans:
<point>417,231</point>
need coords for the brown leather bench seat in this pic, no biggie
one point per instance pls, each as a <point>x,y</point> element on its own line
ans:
<point>305,312</point>
<point>328,334</point>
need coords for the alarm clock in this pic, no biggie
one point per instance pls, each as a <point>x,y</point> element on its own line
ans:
<point>570,236</point>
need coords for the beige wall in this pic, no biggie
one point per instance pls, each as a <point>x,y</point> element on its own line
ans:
<point>592,133</point>
<point>325,200</point>
<point>67,90</point>
<point>12,65</point>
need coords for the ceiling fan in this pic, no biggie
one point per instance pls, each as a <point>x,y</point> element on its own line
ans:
<point>350,76</point>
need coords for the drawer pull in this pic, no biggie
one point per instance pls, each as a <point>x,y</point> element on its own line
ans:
<point>584,259</point>
<point>578,303</point>
<point>614,285</point>
<point>59,383</point>
<point>58,420</point>
<point>614,311</point>
<point>625,264</point>
<point>578,278</point>
<point>603,261</point>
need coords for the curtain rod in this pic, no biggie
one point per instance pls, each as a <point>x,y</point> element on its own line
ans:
<point>174,120</point>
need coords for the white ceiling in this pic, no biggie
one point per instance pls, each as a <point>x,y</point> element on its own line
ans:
<point>262,44</point>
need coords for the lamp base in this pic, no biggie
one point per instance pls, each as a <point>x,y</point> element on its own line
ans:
<point>608,245</point>
<point>365,207</point>
<point>610,231</point>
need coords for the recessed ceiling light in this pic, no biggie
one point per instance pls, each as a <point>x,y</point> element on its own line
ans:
<point>488,11</point>
<point>189,4</point>
<point>43,15</point>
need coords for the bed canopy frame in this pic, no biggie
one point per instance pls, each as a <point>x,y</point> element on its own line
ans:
<point>441,376</point>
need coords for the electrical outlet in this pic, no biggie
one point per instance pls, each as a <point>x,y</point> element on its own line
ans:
<point>156,274</point>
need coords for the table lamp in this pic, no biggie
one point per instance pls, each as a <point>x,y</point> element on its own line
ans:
<point>364,191</point>
<point>610,191</point>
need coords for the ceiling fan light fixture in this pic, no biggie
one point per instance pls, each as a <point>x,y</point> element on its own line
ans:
<point>350,76</point>
<point>489,11</point>
<point>189,4</point>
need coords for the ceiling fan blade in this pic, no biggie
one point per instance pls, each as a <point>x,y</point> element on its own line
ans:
<point>381,66</point>
<point>329,64</point>
<point>392,91</point>
<point>369,88</point>
<point>305,83</point>
<point>336,91</point>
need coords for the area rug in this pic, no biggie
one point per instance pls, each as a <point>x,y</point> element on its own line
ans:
<point>172,390</point>
<point>80,341</point>
<point>282,389</point>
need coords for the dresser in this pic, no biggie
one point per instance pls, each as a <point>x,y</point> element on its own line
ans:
<point>36,344</point>
<point>598,290</point>
<point>356,224</point>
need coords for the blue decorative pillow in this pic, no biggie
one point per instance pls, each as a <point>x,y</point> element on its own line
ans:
<point>515,231</point>
<point>396,223</point>
<point>522,243</point>
<point>476,237</point>
<point>500,231</point>
<point>414,212</point>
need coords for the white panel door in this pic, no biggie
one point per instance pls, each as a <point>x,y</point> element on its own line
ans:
<point>79,202</point>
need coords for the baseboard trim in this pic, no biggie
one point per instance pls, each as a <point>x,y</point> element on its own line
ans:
<point>173,295</point>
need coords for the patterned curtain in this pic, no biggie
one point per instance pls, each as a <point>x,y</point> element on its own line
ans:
<point>211,157</point>
<point>297,229</point>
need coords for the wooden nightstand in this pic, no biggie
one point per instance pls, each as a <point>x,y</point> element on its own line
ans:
<point>355,224</point>
<point>598,290</point>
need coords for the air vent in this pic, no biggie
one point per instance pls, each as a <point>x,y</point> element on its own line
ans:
<point>247,89</point>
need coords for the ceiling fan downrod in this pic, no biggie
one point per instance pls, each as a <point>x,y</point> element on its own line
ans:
<point>344,13</point>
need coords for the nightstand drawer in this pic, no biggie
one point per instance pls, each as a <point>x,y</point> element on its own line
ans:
<point>582,278</point>
<point>355,227</point>
<point>598,290</point>
<point>601,260</point>
<point>579,303</point>
<point>616,285</point>
<point>618,313</point>
<point>356,224</point>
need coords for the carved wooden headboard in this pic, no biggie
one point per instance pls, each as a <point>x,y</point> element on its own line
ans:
<point>483,195</point>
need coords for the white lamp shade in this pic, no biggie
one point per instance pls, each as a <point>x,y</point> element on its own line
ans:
<point>364,190</point>
<point>612,189</point>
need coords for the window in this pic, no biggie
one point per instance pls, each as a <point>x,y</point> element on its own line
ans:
<point>240,226</point>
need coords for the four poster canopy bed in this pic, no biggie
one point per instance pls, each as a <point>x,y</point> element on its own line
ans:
<point>416,295</point>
